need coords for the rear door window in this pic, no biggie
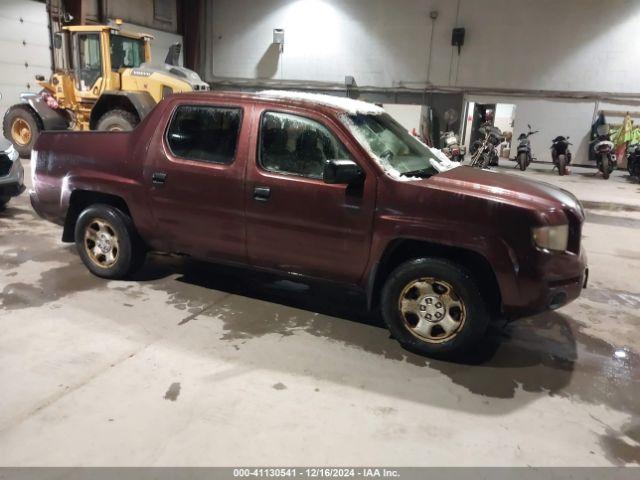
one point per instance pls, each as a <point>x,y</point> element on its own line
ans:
<point>205,133</point>
<point>295,145</point>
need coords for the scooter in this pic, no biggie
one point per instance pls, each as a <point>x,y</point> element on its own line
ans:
<point>560,154</point>
<point>524,156</point>
<point>633,160</point>
<point>452,147</point>
<point>603,148</point>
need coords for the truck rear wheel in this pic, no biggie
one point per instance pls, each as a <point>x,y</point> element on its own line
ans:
<point>117,121</point>
<point>434,307</point>
<point>108,243</point>
<point>21,126</point>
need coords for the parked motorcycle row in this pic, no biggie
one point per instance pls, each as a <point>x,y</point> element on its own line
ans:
<point>484,152</point>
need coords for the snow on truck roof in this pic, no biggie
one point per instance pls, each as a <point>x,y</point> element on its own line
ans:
<point>349,105</point>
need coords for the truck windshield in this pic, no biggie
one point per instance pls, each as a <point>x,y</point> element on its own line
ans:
<point>399,153</point>
<point>126,52</point>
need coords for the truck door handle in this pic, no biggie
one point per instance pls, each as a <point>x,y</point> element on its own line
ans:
<point>158,178</point>
<point>261,194</point>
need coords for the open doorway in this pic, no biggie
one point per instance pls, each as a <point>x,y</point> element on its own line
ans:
<point>500,115</point>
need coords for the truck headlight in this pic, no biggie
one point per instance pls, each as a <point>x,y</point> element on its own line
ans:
<point>554,238</point>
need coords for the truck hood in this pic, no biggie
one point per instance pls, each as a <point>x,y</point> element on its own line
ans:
<point>504,188</point>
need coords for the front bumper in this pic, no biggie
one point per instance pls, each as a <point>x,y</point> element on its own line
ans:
<point>558,280</point>
<point>12,184</point>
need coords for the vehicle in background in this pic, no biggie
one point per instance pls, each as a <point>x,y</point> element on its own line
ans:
<point>485,151</point>
<point>603,149</point>
<point>92,90</point>
<point>317,186</point>
<point>11,173</point>
<point>452,148</point>
<point>524,157</point>
<point>633,160</point>
<point>560,154</point>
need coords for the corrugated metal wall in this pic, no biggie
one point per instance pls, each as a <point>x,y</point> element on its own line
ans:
<point>24,48</point>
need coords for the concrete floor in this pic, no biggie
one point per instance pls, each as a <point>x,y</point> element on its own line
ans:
<point>191,364</point>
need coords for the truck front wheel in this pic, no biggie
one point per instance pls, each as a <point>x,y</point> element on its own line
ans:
<point>108,243</point>
<point>21,126</point>
<point>434,307</point>
<point>117,121</point>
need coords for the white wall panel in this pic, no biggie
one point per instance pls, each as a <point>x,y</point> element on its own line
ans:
<point>568,45</point>
<point>24,48</point>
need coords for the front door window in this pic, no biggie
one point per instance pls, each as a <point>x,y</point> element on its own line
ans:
<point>88,60</point>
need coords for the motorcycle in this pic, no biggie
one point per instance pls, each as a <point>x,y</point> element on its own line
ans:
<point>633,160</point>
<point>603,148</point>
<point>524,149</point>
<point>452,147</point>
<point>560,154</point>
<point>485,152</point>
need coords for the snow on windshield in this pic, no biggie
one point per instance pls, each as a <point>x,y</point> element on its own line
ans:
<point>439,161</point>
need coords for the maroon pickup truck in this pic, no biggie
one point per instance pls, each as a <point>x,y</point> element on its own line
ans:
<point>323,187</point>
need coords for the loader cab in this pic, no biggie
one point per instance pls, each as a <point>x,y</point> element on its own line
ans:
<point>94,57</point>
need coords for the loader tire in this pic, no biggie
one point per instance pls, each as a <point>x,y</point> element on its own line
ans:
<point>117,121</point>
<point>21,126</point>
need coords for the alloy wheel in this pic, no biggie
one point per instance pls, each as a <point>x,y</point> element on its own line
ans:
<point>101,243</point>
<point>431,310</point>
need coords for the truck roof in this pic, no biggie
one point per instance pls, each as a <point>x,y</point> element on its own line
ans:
<point>303,99</point>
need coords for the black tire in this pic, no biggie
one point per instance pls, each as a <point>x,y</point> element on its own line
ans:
<point>522,161</point>
<point>474,311</point>
<point>117,121</point>
<point>562,167</point>
<point>3,203</point>
<point>606,167</point>
<point>32,126</point>
<point>130,253</point>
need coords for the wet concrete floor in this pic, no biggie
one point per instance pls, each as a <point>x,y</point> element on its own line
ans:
<point>195,364</point>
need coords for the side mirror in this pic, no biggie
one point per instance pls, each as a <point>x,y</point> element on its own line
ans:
<point>342,172</point>
<point>57,40</point>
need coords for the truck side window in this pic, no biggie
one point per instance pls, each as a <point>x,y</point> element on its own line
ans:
<point>296,145</point>
<point>204,133</point>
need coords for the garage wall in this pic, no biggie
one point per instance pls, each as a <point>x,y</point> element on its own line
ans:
<point>569,45</point>
<point>24,49</point>
<point>154,14</point>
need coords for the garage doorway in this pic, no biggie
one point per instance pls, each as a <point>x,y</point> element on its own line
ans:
<point>500,115</point>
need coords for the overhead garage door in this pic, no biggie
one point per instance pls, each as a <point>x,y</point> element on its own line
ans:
<point>24,49</point>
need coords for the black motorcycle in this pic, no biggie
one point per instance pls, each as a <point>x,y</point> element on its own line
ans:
<point>524,156</point>
<point>560,154</point>
<point>633,160</point>
<point>484,153</point>
<point>603,149</point>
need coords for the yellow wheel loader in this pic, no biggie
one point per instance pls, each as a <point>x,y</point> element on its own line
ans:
<point>106,82</point>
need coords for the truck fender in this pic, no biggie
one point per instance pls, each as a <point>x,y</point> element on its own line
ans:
<point>140,103</point>
<point>51,119</point>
